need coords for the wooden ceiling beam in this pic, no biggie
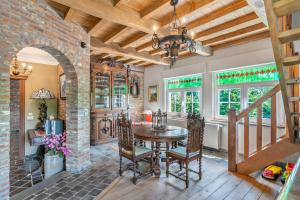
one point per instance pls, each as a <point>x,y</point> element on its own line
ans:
<point>144,46</point>
<point>69,14</point>
<point>155,52</point>
<point>185,10</point>
<point>215,29</point>
<point>129,61</point>
<point>226,25</point>
<point>97,26</point>
<point>250,38</point>
<point>260,26</point>
<point>128,17</point>
<point>139,63</point>
<point>155,7</point>
<point>99,46</point>
<point>116,34</point>
<point>116,2</point>
<point>132,39</point>
<point>236,5</point>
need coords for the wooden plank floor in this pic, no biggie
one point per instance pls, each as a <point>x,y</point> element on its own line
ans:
<point>216,184</point>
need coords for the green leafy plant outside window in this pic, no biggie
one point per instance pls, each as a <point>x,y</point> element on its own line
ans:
<point>229,98</point>
<point>175,101</point>
<point>253,94</point>
<point>192,102</point>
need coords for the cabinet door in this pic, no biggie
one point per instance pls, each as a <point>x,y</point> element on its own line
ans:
<point>102,90</point>
<point>119,90</point>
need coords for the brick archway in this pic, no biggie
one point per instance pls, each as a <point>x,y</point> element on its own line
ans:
<point>27,24</point>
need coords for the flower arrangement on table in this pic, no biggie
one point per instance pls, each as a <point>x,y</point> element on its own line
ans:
<point>57,145</point>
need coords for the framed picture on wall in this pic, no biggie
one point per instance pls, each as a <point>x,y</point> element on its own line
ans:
<point>153,93</point>
<point>62,86</point>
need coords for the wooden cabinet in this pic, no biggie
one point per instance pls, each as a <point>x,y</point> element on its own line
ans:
<point>109,98</point>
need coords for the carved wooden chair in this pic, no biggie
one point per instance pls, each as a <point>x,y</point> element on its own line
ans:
<point>128,150</point>
<point>192,151</point>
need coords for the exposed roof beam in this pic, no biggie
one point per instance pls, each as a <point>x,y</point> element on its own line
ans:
<point>97,26</point>
<point>69,14</point>
<point>260,26</point>
<point>116,34</point>
<point>129,61</point>
<point>128,17</point>
<point>155,52</point>
<point>132,39</point>
<point>144,46</point>
<point>99,46</point>
<point>236,5</point>
<point>116,2</point>
<point>251,38</point>
<point>139,63</point>
<point>155,7</point>
<point>215,29</point>
<point>227,25</point>
<point>186,9</point>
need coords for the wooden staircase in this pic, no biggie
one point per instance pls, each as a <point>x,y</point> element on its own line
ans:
<point>279,14</point>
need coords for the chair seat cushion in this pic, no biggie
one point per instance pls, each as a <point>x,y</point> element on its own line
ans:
<point>181,152</point>
<point>138,151</point>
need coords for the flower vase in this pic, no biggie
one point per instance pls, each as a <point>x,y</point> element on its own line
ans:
<point>53,164</point>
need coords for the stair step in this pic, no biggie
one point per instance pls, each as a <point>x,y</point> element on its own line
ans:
<point>286,7</point>
<point>297,128</point>
<point>295,114</point>
<point>293,81</point>
<point>292,60</point>
<point>289,36</point>
<point>294,98</point>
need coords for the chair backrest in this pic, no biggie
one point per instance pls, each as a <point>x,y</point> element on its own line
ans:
<point>195,126</point>
<point>125,134</point>
<point>159,120</point>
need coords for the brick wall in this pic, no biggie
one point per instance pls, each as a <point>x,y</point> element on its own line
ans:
<point>25,23</point>
<point>136,105</point>
<point>14,119</point>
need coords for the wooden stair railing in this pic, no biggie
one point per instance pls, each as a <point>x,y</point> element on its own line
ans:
<point>279,14</point>
<point>234,118</point>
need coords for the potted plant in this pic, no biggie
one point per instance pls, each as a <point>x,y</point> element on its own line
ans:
<point>57,150</point>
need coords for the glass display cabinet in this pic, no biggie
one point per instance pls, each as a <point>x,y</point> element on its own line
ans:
<point>109,97</point>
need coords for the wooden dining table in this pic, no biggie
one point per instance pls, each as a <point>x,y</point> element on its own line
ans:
<point>168,135</point>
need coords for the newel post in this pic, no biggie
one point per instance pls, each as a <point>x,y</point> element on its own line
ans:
<point>232,140</point>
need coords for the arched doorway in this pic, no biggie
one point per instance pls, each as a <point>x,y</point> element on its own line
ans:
<point>46,30</point>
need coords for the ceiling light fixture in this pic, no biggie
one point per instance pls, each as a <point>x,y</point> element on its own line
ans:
<point>17,70</point>
<point>177,41</point>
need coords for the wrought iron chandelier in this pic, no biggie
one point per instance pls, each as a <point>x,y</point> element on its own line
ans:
<point>17,70</point>
<point>177,42</point>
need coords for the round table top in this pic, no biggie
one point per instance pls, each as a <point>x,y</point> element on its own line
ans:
<point>170,134</point>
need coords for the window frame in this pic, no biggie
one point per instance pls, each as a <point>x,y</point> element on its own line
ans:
<point>244,100</point>
<point>182,92</point>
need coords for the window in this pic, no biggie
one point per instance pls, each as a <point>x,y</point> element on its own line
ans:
<point>229,98</point>
<point>192,102</point>
<point>184,94</point>
<point>253,94</point>
<point>240,88</point>
<point>175,102</point>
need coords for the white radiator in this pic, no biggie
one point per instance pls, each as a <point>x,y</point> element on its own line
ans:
<point>212,132</point>
<point>212,135</point>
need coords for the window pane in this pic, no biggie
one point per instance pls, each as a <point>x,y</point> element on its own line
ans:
<point>175,101</point>
<point>229,98</point>
<point>223,95</point>
<point>235,95</point>
<point>253,95</point>
<point>192,102</point>
<point>223,108</point>
<point>196,107</point>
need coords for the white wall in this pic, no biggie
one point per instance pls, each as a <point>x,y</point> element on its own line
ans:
<point>253,53</point>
